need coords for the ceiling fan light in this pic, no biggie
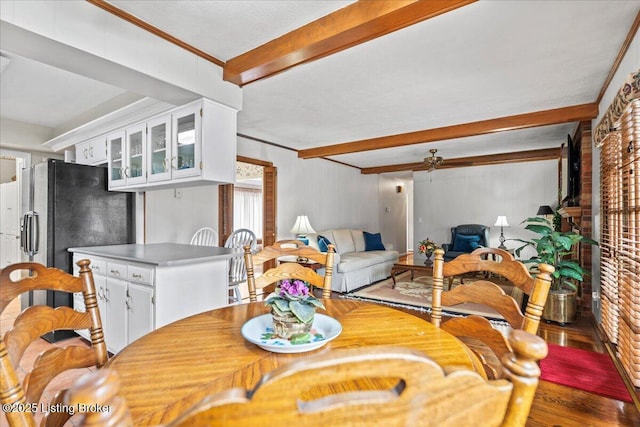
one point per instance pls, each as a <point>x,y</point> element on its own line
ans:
<point>434,161</point>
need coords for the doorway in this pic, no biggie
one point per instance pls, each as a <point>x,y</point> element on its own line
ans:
<point>251,203</point>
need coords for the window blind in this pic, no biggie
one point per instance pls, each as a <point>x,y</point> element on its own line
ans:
<point>620,239</point>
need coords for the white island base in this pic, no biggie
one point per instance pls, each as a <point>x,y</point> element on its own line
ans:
<point>144,287</point>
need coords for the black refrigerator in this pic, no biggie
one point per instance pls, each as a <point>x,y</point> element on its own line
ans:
<point>68,205</point>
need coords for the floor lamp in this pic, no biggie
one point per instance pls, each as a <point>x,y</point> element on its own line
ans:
<point>502,222</point>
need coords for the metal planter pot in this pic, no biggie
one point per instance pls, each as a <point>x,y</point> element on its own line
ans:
<point>560,307</point>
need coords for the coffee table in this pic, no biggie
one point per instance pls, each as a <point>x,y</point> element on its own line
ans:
<point>411,266</point>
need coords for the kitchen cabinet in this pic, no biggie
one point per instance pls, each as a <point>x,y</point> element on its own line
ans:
<point>125,300</point>
<point>9,208</point>
<point>9,250</point>
<point>160,148</point>
<point>127,151</point>
<point>116,163</point>
<point>9,223</point>
<point>190,145</point>
<point>143,287</point>
<point>92,152</point>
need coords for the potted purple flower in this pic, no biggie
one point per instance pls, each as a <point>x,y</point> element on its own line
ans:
<point>293,308</point>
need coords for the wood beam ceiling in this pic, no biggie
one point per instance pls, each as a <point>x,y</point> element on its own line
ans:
<point>493,159</point>
<point>521,121</point>
<point>354,24</point>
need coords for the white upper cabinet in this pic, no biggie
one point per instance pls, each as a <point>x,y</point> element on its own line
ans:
<point>159,148</point>
<point>136,148</point>
<point>115,148</point>
<point>92,152</point>
<point>193,144</point>
<point>187,141</point>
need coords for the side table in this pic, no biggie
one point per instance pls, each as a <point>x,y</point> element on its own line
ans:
<point>410,266</point>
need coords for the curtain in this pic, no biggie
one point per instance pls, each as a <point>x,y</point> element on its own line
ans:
<point>247,209</point>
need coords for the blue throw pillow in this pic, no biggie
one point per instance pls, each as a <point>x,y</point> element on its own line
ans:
<point>464,243</point>
<point>372,242</point>
<point>323,244</point>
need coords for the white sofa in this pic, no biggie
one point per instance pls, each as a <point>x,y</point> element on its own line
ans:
<point>355,267</point>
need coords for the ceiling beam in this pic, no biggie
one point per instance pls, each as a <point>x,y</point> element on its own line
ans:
<point>520,121</point>
<point>492,159</point>
<point>354,24</point>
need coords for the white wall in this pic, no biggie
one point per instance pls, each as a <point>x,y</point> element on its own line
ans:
<point>331,195</point>
<point>84,39</point>
<point>629,64</point>
<point>477,195</point>
<point>174,215</point>
<point>393,212</point>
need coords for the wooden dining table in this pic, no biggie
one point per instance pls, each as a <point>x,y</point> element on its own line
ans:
<point>167,371</point>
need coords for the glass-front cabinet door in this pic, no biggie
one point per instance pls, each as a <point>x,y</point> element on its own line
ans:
<point>159,146</point>
<point>136,166</point>
<point>186,156</point>
<point>115,148</point>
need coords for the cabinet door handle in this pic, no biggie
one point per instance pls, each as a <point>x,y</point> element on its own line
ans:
<point>126,172</point>
<point>173,166</point>
<point>107,295</point>
<point>164,164</point>
<point>137,276</point>
<point>85,153</point>
<point>91,151</point>
<point>128,302</point>
<point>115,272</point>
<point>101,293</point>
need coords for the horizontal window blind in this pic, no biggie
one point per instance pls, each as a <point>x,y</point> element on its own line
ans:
<point>620,239</point>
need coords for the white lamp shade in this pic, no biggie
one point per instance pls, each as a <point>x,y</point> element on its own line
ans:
<point>501,222</point>
<point>302,226</point>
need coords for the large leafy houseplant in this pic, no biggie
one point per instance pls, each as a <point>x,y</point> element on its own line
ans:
<point>553,247</point>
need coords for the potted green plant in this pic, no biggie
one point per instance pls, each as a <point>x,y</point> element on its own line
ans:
<point>555,247</point>
<point>293,308</point>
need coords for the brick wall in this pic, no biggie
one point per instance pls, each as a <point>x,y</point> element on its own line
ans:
<point>583,134</point>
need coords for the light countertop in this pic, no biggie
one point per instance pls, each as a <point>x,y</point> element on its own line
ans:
<point>162,254</point>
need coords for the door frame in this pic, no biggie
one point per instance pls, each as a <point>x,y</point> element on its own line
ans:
<point>269,203</point>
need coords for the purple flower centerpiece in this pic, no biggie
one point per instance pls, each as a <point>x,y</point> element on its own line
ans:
<point>293,308</point>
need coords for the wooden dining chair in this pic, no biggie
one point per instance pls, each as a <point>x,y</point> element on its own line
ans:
<point>335,388</point>
<point>476,331</point>
<point>291,250</point>
<point>38,320</point>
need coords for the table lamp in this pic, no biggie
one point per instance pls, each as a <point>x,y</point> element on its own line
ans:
<point>545,210</point>
<point>302,227</point>
<point>502,222</point>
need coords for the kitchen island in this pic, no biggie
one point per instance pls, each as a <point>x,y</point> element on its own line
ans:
<point>144,287</point>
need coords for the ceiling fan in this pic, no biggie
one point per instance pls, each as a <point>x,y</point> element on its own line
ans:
<point>434,161</point>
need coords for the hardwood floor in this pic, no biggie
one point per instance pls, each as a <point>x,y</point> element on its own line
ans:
<point>554,405</point>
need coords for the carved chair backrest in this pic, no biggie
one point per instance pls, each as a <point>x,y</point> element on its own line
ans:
<point>292,250</point>
<point>484,292</point>
<point>403,387</point>
<point>38,320</point>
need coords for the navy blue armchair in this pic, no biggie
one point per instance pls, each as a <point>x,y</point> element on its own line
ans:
<point>464,239</point>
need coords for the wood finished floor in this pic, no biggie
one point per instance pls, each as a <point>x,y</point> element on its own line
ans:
<point>554,405</point>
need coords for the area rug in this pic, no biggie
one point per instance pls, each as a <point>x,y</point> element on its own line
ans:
<point>416,294</point>
<point>585,370</point>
